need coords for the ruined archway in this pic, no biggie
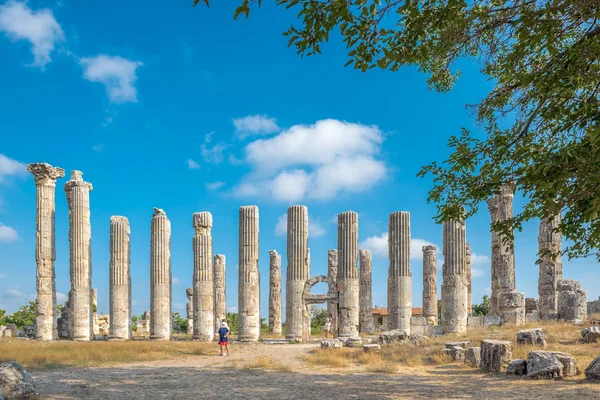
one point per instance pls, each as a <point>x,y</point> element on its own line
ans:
<point>331,297</point>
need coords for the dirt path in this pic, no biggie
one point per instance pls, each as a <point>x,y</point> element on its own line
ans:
<point>209,377</point>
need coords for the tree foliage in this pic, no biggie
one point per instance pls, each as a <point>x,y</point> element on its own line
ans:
<point>24,316</point>
<point>482,309</point>
<point>318,318</point>
<point>232,322</point>
<point>541,118</point>
<point>2,317</point>
<point>180,324</point>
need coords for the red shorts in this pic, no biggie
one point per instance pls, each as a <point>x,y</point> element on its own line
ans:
<point>223,343</point>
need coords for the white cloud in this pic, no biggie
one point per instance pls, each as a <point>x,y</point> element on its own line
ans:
<point>416,248</point>
<point>193,164</point>
<point>98,147</point>
<point>379,246</point>
<point>179,306</point>
<point>176,281</point>
<point>314,228</point>
<point>254,125</point>
<point>12,293</point>
<point>8,234</point>
<point>213,155</point>
<point>10,167</point>
<point>476,259</point>
<point>61,297</point>
<point>233,309</point>
<point>476,273</point>
<point>116,73</point>
<point>214,185</point>
<point>39,28</point>
<point>329,158</point>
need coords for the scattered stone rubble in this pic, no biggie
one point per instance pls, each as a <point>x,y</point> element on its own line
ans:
<point>592,372</point>
<point>495,355</point>
<point>550,365</point>
<point>591,334</point>
<point>534,337</point>
<point>15,382</point>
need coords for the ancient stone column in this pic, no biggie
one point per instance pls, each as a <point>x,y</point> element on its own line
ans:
<point>189,308</point>
<point>550,268</point>
<point>80,238</point>
<point>332,306</point>
<point>454,285</point>
<point>298,271</point>
<point>45,176</point>
<point>365,293</point>
<point>249,278</point>
<point>95,325</point>
<point>219,290</point>
<point>160,276</point>
<point>430,296</point>
<point>469,281</point>
<point>503,255</point>
<point>399,274</point>
<point>203,299</point>
<point>348,283</point>
<point>275,293</point>
<point>120,279</point>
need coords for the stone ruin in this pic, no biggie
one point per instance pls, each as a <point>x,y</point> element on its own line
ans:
<point>571,301</point>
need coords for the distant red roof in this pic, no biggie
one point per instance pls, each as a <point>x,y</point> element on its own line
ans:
<point>416,311</point>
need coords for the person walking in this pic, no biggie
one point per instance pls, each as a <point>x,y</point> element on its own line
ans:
<point>224,338</point>
<point>328,325</point>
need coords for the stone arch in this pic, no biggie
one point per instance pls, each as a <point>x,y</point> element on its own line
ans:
<point>332,292</point>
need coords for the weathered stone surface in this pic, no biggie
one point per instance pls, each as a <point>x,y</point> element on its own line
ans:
<point>430,296</point>
<point>219,290</point>
<point>572,304</point>
<point>30,331</point>
<point>354,342</point>
<point>495,355</point>
<point>550,365</point>
<point>368,348</point>
<point>347,279</point>
<point>15,382</point>
<point>503,253</point>
<point>298,272</point>
<point>160,277</point>
<point>592,372</point>
<point>332,306</point>
<point>455,353</point>
<point>399,273</point>
<point>80,237</point>
<point>189,308</point>
<point>418,339</point>
<point>517,368</point>
<point>593,307</point>
<point>464,345</point>
<point>454,285</point>
<point>274,293</point>
<point>332,344</point>
<point>492,320</point>
<point>393,336</point>
<point>63,324</point>
<point>45,176</point>
<point>531,305</point>
<point>469,279</point>
<point>364,293</point>
<point>591,334</point>
<point>120,279</point>
<point>473,357</point>
<point>550,271</point>
<point>12,328</point>
<point>249,276</point>
<point>512,307</point>
<point>534,337</point>
<point>203,299</point>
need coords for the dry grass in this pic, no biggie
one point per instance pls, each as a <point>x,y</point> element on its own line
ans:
<point>35,354</point>
<point>336,358</point>
<point>268,364</point>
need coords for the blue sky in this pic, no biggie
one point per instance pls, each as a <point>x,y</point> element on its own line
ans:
<point>187,110</point>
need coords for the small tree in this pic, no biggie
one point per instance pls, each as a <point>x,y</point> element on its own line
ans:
<point>179,324</point>
<point>232,321</point>
<point>318,319</point>
<point>2,317</point>
<point>482,309</point>
<point>25,315</point>
<point>264,327</point>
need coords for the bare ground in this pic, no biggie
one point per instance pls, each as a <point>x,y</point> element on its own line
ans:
<point>207,377</point>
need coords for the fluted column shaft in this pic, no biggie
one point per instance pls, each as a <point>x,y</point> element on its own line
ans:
<point>454,285</point>
<point>430,296</point>
<point>365,292</point>
<point>249,278</point>
<point>348,282</point>
<point>332,306</point>
<point>399,273</point>
<point>274,293</point>
<point>189,308</point>
<point>160,277</point>
<point>203,298</point>
<point>503,256</point>
<point>298,271</point>
<point>45,177</point>
<point>469,277</point>
<point>550,271</point>
<point>120,279</point>
<point>80,237</point>
<point>219,290</point>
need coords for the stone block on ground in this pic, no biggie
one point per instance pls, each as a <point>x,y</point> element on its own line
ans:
<point>571,301</point>
<point>592,372</point>
<point>418,340</point>
<point>550,365</point>
<point>512,307</point>
<point>455,353</point>
<point>393,336</point>
<point>332,344</point>
<point>517,368</point>
<point>534,337</point>
<point>492,320</point>
<point>495,355</point>
<point>367,340</point>
<point>532,317</point>
<point>531,305</point>
<point>473,357</point>
<point>474,322</point>
<point>464,345</point>
<point>15,382</point>
<point>371,347</point>
<point>354,343</point>
<point>591,334</point>
<point>418,321</point>
<point>12,328</point>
